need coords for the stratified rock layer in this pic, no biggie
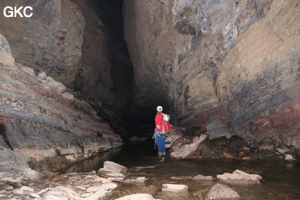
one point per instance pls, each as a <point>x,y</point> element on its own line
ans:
<point>41,122</point>
<point>230,66</point>
<point>50,40</point>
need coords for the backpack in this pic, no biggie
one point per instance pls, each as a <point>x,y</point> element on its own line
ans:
<point>166,117</point>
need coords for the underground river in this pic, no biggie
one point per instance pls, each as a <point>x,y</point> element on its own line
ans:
<point>280,180</point>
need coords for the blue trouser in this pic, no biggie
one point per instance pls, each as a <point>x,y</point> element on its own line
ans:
<point>160,142</point>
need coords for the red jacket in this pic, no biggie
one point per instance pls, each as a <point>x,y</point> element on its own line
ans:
<point>164,126</point>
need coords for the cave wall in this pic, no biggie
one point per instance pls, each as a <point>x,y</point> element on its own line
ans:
<point>231,66</point>
<point>40,120</point>
<point>80,44</point>
<point>43,58</point>
<point>50,40</point>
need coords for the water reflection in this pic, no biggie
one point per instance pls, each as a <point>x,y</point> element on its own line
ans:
<point>93,163</point>
<point>280,180</point>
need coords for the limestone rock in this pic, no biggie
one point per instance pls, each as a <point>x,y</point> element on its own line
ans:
<point>289,158</point>
<point>185,150</point>
<point>50,40</point>
<point>203,178</point>
<point>137,197</point>
<point>174,187</point>
<point>113,167</point>
<point>283,150</point>
<point>136,180</point>
<point>220,191</point>
<point>229,62</point>
<point>31,174</point>
<point>240,177</point>
<point>55,195</point>
<point>266,147</point>
<point>5,52</point>
<point>41,126</point>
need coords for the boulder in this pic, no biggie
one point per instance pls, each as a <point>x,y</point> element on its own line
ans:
<point>31,174</point>
<point>182,151</point>
<point>220,191</point>
<point>110,166</point>
<point>289,158</point>
<point>266,146</point>
<point>240,177</point>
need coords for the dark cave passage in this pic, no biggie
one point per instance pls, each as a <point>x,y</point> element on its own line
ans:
<point>130,117</point>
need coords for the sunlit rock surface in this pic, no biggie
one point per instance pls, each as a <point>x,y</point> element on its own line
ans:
<point>41,123</point>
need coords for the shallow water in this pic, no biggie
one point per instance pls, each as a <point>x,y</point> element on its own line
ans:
<point>280,180</point>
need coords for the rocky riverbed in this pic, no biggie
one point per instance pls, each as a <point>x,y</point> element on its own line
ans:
<point>115,181</point>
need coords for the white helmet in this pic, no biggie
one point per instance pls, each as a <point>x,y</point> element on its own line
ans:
<point>159,108</point>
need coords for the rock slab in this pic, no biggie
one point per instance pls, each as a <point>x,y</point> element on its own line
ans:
<point>220,191</point>
<point>240,177</point>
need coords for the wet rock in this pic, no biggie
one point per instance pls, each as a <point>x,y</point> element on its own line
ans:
<point>31,174</point>
<point>267,147</point>
<point>137,197</point>
<point>203,178</point>
<point>174,187</point>
<point>26,191</point>
<point>115,174</point>
<point>185,150</point>
<point>220,191</point>
<point>136,180</point>
<point>68,192</point>
<point>110,166</point>
<point>289,158</point>
<point>240,177</point>
<point>55,195</point>
<point>96,195</point>
<point>105,187</point>
<point>4,174</point>
<point>283,150</point>
<point>12,181</point>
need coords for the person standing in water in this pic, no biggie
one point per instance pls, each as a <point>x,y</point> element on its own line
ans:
<point>162,127</point>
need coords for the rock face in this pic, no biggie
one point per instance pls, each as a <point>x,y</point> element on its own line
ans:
<point>76,45</point>
<point>50,40</point>
<point>231,66</point>
<point>41,123</point>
